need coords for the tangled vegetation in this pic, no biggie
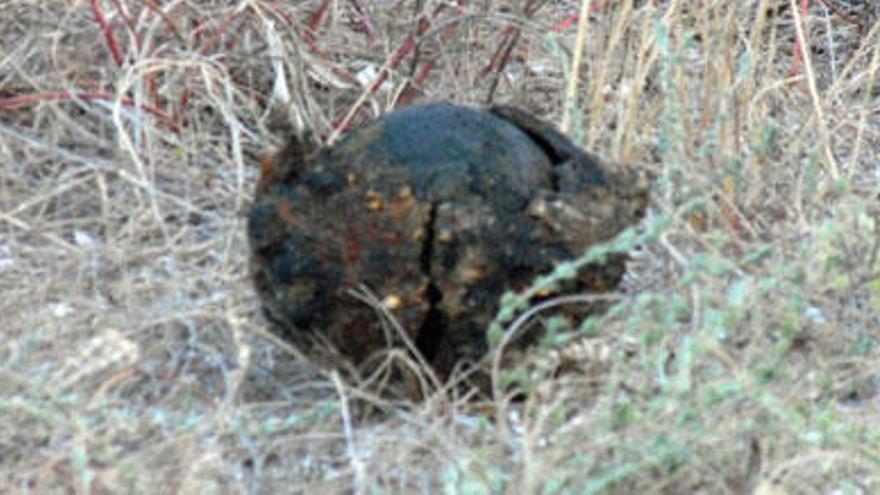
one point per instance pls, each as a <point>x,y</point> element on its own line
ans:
<point>741,356</point>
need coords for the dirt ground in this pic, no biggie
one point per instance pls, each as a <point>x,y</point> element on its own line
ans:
<point>741,355</point>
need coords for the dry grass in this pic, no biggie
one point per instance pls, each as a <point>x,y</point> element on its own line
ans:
<point>742,358</point>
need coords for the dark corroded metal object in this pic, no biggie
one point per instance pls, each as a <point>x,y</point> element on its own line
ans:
<point>438,209</point>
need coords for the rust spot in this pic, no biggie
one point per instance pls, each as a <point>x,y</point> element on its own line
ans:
<point>286,213</point>
<point>420,295</point>
<point>474,273</point>
<point>352,246</point>
<point>445,237</point>
<point>375,202</point>
<point>538,208</point>
<point>400,206</point>
<point>392,302</point>
<point>267,166</point>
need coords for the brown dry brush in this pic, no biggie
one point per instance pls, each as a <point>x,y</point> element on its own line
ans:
<point>742,357</point>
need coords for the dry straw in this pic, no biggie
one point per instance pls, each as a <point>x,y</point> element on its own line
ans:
<point>741,357</point>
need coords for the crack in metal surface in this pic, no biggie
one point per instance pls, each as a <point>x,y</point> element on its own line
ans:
<point>433,327</point>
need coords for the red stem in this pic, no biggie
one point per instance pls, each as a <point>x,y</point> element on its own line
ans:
<point>365,19</point>
<point>798,48</point>
<point>408,45</point>
<point>843,15</point>
<point>108,32</point>
<point>281,13</point>
<point>316,20</point>
<point>11,103</point>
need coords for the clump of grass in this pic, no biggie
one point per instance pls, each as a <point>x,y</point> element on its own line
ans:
<point>740,357</point>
